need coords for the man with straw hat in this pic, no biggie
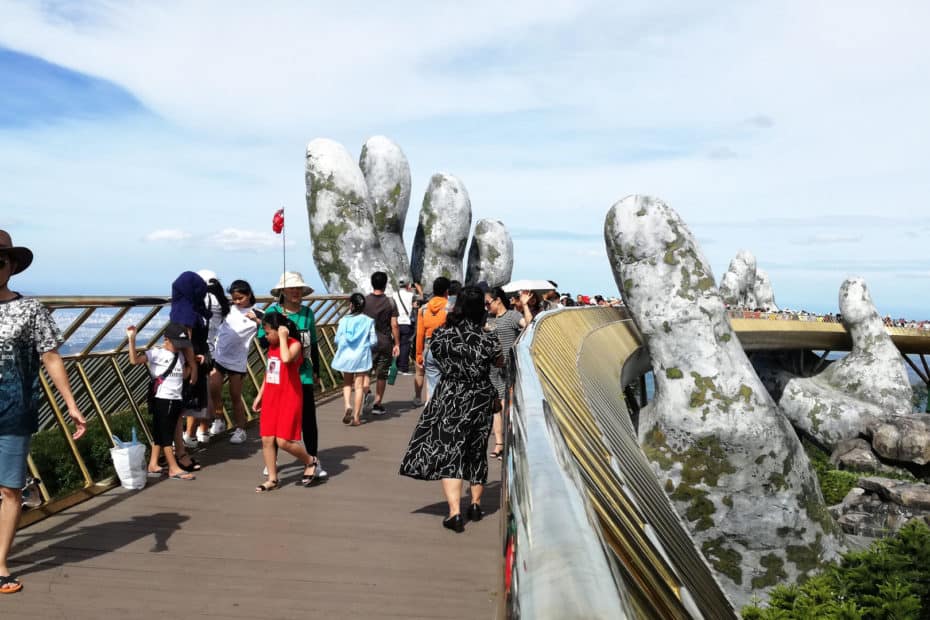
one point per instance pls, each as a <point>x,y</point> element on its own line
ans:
<point>28,336</point>
<point>290,291</point>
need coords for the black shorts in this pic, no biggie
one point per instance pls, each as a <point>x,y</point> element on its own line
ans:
<point>225,371</point>
<point>165,414</point>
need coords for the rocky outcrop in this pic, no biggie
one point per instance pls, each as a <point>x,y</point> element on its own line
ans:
<point>858,392</point>
<point>879,507</point>
<point>856,455</point>
<point>445,219</point>
<point>387,175</point>
<point>490,257</point>
<point>745,286</point>
<point>732,464</point>
<point>902,438</point>
<point>346,247</point>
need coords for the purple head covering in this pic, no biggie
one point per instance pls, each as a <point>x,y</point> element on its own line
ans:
<point>187,300</point>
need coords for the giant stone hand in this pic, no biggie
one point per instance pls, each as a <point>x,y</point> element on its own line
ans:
<point>357,215</point>
<point>732,464</point>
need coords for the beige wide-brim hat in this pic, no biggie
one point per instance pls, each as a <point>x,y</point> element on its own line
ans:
<point>20,255</point>
<point>290,279</point>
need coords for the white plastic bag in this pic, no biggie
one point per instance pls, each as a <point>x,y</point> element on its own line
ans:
<point>129,463</point>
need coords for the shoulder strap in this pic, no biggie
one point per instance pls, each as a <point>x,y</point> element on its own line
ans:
<point>400,298</point>
<point>168,370</point>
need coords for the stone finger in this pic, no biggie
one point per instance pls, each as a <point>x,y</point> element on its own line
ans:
<point>387,175</point>
<point>346,246</point>
<point>490,257</point>
<point>442,232</point>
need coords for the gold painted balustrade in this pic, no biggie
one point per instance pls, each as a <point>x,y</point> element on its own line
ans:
<point>108,389</point>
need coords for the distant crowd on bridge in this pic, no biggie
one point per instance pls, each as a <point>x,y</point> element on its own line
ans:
<point>803,315</point>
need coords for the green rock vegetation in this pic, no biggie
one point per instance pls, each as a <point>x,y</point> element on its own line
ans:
<point>889,580</point>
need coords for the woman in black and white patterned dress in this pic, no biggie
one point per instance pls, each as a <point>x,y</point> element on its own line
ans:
<point>450,441</point>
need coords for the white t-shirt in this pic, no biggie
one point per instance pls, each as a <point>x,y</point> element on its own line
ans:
<point>404,300</point>
<point>233,339</point>
<point>158,362</point>
<point>216,319</point>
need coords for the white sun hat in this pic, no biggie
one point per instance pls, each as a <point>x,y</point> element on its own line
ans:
<point>290,279</point>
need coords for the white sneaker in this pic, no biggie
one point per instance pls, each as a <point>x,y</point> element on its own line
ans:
<point>321,473</point>
<point>238,436</point>
<point>189,441</point>
<point>203,437</point>
<point>217,427</point>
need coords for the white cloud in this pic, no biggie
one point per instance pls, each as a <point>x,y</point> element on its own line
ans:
<point>821,103</point>
<point>237,240</point>
<point>168,234</point>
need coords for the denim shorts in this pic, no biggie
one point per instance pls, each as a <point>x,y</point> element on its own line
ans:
<point>13,452</point>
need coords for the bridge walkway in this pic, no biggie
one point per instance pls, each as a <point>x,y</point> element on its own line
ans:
<point>367,543</point>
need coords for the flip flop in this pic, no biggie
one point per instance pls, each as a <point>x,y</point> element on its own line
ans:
<point>347,418</point>
<point>356,423</point>
<point>10,585</point>
<point>184,477</point>
<point>156,474</point>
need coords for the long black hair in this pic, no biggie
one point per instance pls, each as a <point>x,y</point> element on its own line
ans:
<point>469,306</point>
<point>274,320</point>
<point>216,289</point>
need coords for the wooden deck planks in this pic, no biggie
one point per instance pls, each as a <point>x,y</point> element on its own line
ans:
<point>366,544</point>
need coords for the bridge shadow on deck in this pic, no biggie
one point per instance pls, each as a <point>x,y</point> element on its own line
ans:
<point>365,544</point>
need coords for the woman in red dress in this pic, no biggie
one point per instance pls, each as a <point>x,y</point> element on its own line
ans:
<point>280,400</point>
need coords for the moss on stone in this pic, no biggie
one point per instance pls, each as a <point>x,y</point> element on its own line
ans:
<point>673,373</point>
<point>727,501</point>
<point>641,212</point>
<point>705,283</point>
<point>706,393</point>
<point>774,572</point>
<point>805,557</point>
<point>760,459</point>
<point>777,481</point>
<point>726,337</point>
<point>327,257</point>
<point>699,509</point>
<point>627,284</point>
<point>666,327</point>
<point>724,559</point>
<point>669,485</point>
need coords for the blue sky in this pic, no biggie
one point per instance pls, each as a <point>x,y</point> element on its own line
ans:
<point>140,139</point>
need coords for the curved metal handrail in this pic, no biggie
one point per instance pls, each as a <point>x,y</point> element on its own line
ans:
<point>104,383</point>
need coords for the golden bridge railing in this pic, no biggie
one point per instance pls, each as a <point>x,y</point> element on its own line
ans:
<point>588,528</point>
<point>111,393</point>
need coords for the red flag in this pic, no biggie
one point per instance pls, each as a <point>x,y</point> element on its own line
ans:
<point>277,222</point>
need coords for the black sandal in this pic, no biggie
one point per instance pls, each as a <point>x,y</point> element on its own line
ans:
<point>10,585</point>
<point>194,466</point>
<point>497,454</point>
<point>267,486</point>
<point>308,479</point>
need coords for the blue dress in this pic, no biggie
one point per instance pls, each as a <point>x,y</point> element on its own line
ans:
<point>355,338</point>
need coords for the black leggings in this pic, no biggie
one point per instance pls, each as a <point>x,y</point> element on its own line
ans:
<point>309,419</point>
